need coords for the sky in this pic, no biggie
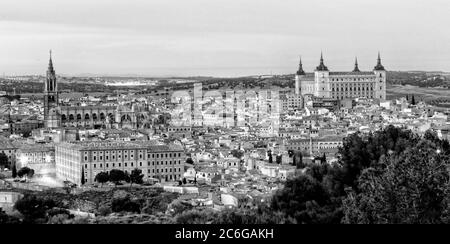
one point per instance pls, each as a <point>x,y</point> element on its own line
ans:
<point>222,38</point>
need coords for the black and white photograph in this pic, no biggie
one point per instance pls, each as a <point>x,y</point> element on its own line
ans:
<point>224,113</point>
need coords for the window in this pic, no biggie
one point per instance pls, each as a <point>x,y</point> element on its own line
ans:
<point>107,165</point>
<point>85,166</point>
<point>131,164</point>
<point>114,165</point>
<point>95,166</point>
<point>126,164</point>
<point>140,164</point>
<point>120,164</point>
<point>101,165</point>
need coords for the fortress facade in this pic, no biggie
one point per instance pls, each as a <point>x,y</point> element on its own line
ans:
<point>341,85</point>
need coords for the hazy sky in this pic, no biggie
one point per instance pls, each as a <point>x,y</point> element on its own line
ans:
<point>221,37</point>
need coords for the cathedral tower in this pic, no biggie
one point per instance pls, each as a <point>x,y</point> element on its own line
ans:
<point>298,78</point>
<point>51,118</point>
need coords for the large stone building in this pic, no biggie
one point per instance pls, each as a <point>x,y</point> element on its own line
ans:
<point>341,85</point>
<point>40,158</point>
<point>163,162</point>
<point>57,115</point>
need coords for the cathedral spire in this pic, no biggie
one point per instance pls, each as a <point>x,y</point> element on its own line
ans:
<point>321,66</point>
<point>356,69</point>
<point>300,68</point>
<point>50,62</point>
<point>379,66</point>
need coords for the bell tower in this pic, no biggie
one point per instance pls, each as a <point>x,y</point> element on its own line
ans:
<point>51,118</point>
<point>380,81</point>
<point>298,78</point>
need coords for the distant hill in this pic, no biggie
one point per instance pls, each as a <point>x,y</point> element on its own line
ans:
<point>419,78</point>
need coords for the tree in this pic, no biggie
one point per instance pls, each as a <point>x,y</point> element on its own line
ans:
<point>237,153</point>
<point>26,134</point>
<point>411,187</point>
<point>82,176</point>
<point>359,152</point>
<point>102,177</point>
<point>195,216</point>
<point>25,171</point>
<point>298,159</point>
<point>184,181</point>
<point>179,206</point>
<point>14,171</point>
<point>34,208</point>
<point>306,200</point>
<point>189,161</point>
<point>6,219</point>
<point>413,101</point>
<point>116,176</point>
<point>323,160</point>
<point>136,176</point>
<point>125,204</point>
<point>30,173</point>
<point>269,153</point>
<point>3,161</point>
<point>278,159</point>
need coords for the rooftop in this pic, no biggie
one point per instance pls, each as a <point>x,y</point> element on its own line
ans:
<point>122,145</point>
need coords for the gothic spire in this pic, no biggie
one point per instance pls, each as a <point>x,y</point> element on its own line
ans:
<point>356,69</point>
<point>321,66</point>
<point>379,66</point>
<point>50,62</point>
<point>300,68</point>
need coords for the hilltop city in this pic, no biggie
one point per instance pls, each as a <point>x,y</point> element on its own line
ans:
<point>196,143</point>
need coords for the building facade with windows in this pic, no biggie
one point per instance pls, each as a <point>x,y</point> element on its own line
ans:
<point>40,158</point>
<point>164,162</point>
<point>341,85</point>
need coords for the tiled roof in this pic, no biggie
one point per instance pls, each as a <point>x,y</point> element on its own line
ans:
<point>122,145</point>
